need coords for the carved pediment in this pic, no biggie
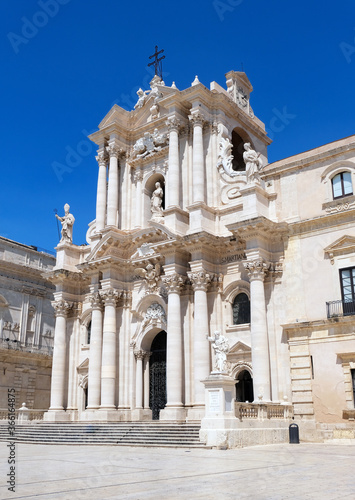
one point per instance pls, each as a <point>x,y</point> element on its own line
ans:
<point>342,246</point>
<point>115,115</point>
<point>83,367</point>
<point>239,348</point>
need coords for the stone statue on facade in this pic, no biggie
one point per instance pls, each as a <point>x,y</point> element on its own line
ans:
<point>221,348</point>
<point>142,97</point>
<point>67,222</point>
<point>151,276</point>
<point>253,163</point>
<point>149,143</point>
<point>156,203</point>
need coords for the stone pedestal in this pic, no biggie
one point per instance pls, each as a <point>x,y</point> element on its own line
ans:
<point>173,414</point>
<point>57,416</point>
<point>219,409</point>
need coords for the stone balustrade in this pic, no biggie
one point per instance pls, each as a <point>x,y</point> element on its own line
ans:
<point>33,414</point>
<point>263,411</point>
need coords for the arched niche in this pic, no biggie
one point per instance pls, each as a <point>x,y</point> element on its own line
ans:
<point>148,188</point>
<point>239,138</point>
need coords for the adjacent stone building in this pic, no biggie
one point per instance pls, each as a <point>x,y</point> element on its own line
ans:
<point>26,325</point>
<point>195,233</point>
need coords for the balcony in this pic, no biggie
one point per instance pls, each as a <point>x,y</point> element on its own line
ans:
<point>340,308</point>
<point>16,345</point>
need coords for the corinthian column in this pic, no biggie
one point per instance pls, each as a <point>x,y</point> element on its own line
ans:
<point>112,197</point>
<point>101,191</point>
<point>173,187</point>
<point>174,373</point>
<point>198,170</point>
<point>258,326</point>
<point>61,309</point>
<point>108,370</point>
<point>94,376</point>
<point>200,281</point>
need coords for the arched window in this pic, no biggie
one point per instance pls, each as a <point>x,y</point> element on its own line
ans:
<point>89,333</point>
<point>342,185</point>
<point>241,309</point>
<point>237,152</point>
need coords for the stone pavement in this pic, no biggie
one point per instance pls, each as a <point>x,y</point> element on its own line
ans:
<point>275,472</point>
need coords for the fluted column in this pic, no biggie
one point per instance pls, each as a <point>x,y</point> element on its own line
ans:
<point>259,335</point>
<point>174,372</point>
<point>112,196</point>
<point>61,309</point>
<point>138,177</point>
<point>101,191</point>
<point>108,368</point>
<point>139,377</point>
<point>94,375</point>
<point>146,379</point>
<point>173,188</point>
<point>200,281</point>
<point>198,171</point>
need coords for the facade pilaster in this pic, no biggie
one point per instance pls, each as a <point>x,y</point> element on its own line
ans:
<point>200,282</point>
<point>138,178</point>
<point>112,195</point>
<point>146,380</point>
<point>94,375</point>
<point>101,158</point>
<point>198,175</point>
<point>257,271</point>
<point>173,188</point>
<point>108,367</point>
<point>139,355</point>
<point>61,309</point>
<point>124,338</point>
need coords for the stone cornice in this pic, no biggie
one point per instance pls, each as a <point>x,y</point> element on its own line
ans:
<point>61,275</point>
<point>259,226</point>
<point>308,158</point>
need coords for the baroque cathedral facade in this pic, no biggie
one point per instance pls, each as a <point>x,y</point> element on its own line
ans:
<point>195,233</point>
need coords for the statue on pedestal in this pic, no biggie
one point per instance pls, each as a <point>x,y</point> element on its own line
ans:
<point>67,222</point>
<point>220,345</point>
<point>156,203</point>
<point>253,163</point>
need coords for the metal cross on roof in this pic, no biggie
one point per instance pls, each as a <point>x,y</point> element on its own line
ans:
<point>157,62</point>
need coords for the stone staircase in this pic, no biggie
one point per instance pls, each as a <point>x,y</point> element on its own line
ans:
<point>157,434</point>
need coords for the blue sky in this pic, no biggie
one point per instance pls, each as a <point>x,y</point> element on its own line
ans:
<point>64,69</point>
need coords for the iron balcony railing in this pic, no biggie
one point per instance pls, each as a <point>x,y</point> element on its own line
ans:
<point>337,308</point>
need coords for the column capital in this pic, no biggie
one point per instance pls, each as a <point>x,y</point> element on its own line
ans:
<point>96,301</point>
<point>173,282</point>
<point>109,296</point>
<point>62,307</point>
<point>140,354</point>
<point>257,269</point>
<point>127,298</point>
<point>200,280</point>
<point>101,158</point>
<point>197,118</point>
<point>114,150</point>
<point>138,176</point>
<point>173,123</point>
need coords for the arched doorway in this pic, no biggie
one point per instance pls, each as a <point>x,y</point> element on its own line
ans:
<point>244,391</point>
<point>157,375</point>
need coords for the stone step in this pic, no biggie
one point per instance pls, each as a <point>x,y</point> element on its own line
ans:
<point>126,433</point>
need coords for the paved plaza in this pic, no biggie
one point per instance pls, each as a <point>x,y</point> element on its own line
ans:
<point>275,472</point>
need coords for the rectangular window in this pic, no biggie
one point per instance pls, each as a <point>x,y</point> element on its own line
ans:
<point>353,382</point>
<point>347,283</point>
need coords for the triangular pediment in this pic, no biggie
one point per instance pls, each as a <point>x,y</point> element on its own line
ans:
<point>115,115</point>
<point>84,365</point>
<point>239,348</point>
<point>344,243</point>
<point>123,245</point>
